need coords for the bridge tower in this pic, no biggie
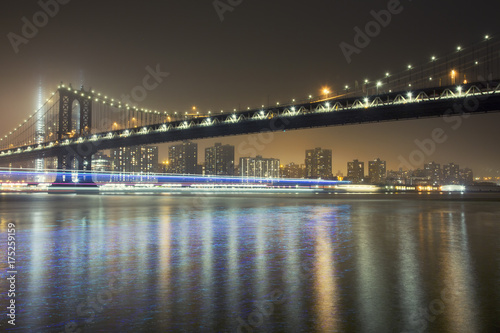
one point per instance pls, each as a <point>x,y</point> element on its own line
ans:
<point>70,128</point>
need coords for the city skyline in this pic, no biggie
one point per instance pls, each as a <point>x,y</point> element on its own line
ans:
<point>262,77</point>
<point>317,165</point>
<point>342,165</point>
<point>250,166</point>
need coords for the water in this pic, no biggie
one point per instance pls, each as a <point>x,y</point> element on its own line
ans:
<point>339,263</point>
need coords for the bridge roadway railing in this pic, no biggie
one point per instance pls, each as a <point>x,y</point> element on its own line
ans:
<point>477,97</point>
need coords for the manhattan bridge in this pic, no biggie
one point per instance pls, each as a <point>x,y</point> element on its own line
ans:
<point>75,123</point>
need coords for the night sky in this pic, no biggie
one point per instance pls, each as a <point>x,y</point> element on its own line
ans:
<point>262,51</point>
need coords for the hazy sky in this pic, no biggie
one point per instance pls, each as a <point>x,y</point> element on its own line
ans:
<point>261,51</point>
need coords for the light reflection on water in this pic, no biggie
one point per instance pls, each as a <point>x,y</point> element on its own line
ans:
<point>179,264</point>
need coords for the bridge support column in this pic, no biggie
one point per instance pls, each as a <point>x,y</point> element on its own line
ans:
<point>64,176</point>
<point>85,169</point>
<point>76,157</point>
<point>74,174</point>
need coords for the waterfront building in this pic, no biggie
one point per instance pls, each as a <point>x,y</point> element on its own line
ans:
<point>219,160</point>
<point>134,163</point>
<point>433,173</point>
<point>183,158</point>
<point>293,170</point>
<point>319,163</point>
<point>451,174</point>
<point>259,167</point>
<point>377,171</point>
<point>356,171</point>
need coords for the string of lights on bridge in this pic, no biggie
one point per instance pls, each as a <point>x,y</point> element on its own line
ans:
<point>325,94</point>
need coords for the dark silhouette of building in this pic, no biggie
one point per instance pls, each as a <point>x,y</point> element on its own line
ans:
<point>293,170</point>
<point>466,177</point>
<point>219,160</point>
<point>183,158</point>
<point>377,171</point>
<point>451,174</point>
<point>356,171</point>
<point>319,163</point>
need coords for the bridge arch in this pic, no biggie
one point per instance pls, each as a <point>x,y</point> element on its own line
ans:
<point>75,119</point>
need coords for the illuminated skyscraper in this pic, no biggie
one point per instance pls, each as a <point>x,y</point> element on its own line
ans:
<point>356,171</point>
<point>377,171</point>
<point>259,167</point>
<point>319,163</point>
<point>219,160</point>
<point>433,172</point>
<point>293,170</point>
<point>137,160</point>
<point>183,158</point>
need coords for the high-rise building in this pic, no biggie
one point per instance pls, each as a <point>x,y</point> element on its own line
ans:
<point>451,174</point>
<point>183,158</point>
<point>136,160</point>
<point>466,177</point>
<point>292,170</point>
<point>377,171</point>
<point>319,163</point>
<point>219,160</point>
<point>433,172</point>
<point>356,171</point>
<point>259,167</point>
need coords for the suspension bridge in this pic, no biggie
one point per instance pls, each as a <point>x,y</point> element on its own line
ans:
<point>75,123</point>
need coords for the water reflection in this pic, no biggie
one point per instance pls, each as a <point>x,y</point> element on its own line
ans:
<point>254,265</point>
<point>459,308</point>
<point>372,281</point>
<point>408,272</point>
<point>325,282</point>
<point>164,294</point>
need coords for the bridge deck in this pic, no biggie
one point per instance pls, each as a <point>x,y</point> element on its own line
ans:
<point>472,98</point>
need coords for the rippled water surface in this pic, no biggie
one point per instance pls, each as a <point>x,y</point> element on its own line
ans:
<point>378,263</point>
